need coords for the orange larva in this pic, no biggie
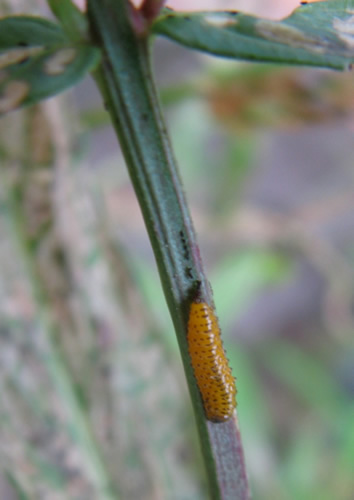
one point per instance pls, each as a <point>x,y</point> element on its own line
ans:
<point>209,362</point>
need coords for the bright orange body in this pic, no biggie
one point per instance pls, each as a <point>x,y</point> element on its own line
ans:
<point>209,362</point>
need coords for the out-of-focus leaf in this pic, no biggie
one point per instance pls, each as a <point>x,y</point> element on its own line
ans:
<point>306,375</point>
<point>71,18</point>
<point>37,61</point>
<point>318,34</point>
<point>241,276</point>
<point>25,31</point>
<point>44,75</point>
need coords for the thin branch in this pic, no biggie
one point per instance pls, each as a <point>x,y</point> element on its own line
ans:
<point>128,89</point>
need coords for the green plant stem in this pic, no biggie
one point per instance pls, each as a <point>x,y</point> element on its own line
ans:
<point>129,93</point>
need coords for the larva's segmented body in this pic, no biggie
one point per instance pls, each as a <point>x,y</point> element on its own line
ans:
<point>209,362</point>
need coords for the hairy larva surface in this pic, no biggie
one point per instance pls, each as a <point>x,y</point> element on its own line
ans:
<point>209,362</point>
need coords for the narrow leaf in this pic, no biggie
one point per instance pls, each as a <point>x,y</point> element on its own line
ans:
<point>25,31</point>
<point>38,60</point>
<point>73,21</point>
<point>43,75</point>
<point>317,34</point>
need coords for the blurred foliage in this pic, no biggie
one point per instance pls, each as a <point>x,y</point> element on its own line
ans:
<point>89,381</point>
<point>85,334</point>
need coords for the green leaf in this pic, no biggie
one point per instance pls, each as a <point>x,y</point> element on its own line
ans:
<point>24,31</point>
<point>44,75</point>
<point>317,34</point>
<point>37,60</point>
<point>73,21</point>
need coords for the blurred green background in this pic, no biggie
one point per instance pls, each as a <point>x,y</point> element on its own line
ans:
<point>93,399</point>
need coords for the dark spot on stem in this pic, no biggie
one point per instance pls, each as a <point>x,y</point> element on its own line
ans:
<point>189,273</point>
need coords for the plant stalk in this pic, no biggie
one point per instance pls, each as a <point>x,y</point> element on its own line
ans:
<point>127,86</point>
